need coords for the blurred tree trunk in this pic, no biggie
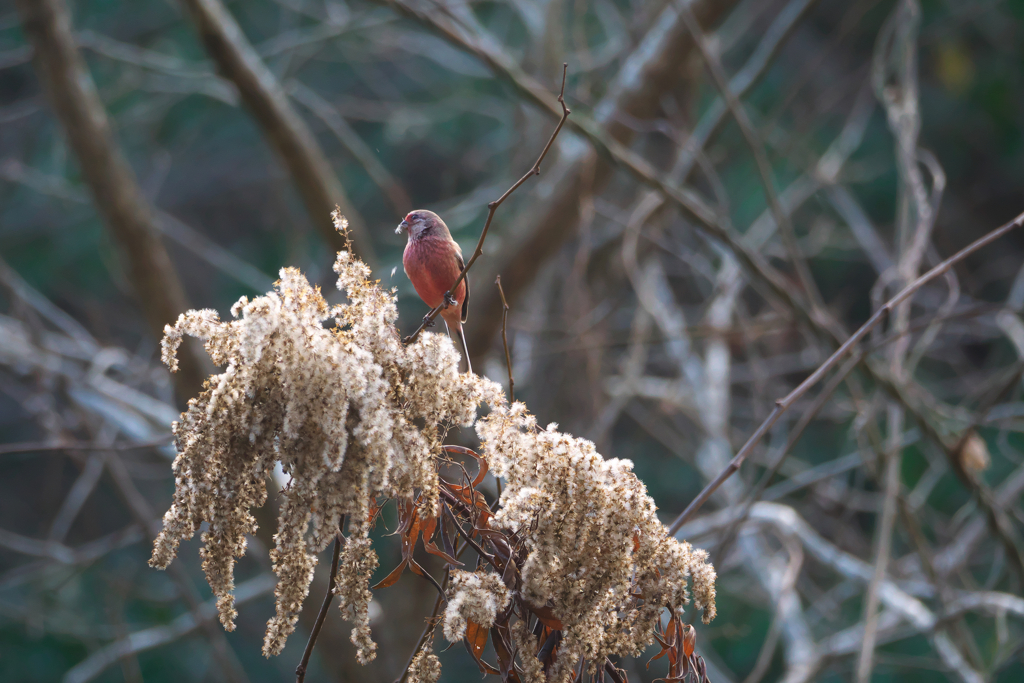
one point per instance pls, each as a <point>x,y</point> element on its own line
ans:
<point>117,195</point>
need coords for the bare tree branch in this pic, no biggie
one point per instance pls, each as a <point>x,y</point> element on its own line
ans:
<point>635,94</point>
<point>291,138</point>
<point>141,641</point>
<point>785,403</point>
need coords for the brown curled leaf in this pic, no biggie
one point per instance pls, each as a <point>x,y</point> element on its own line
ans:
<point>393,577</point>
<point>481,463</point>
<point>547,617</point>
<point>689,639</point>
<point>476,641</point>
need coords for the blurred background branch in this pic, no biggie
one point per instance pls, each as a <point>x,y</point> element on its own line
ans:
<point>115,192</point>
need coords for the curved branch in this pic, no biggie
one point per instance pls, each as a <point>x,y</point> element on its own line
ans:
<point>314,178</point>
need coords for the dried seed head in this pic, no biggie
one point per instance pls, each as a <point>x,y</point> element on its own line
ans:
<point>473,596</point>
<point>425,666</point>
<point>562,497</point>
<point>337,408</point>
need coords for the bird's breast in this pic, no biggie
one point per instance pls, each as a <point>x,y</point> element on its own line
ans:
<point>432,266</point>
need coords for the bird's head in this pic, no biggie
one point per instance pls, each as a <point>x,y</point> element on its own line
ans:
<point>421,223</point>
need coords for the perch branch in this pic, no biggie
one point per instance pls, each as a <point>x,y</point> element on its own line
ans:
<point>491,208</point>
<point>504,343</point>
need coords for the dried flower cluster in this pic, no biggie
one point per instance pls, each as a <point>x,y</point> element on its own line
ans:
<point>598,555</point>
<point>336,407</point>
<point>425,666</point>
<point>474,596</point>
<point>340,409</point>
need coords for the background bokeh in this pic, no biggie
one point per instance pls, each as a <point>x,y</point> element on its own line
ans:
<point>628,325</point>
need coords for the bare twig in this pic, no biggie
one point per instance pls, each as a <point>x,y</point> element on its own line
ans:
<point>504,342</point>
<point>785,403</point>
<point>739,114</point>
<point>300,670</point>
<point>380,175</point>
<point>431,624</point>
<point>44,446</point>
<point>239,62</point>
<point>116,193</point>
<point>883,541</point>
<point>491,208</point>
<point>798,431</point>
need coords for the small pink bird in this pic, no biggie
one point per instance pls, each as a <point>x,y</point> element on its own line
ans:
<point>433,261</point>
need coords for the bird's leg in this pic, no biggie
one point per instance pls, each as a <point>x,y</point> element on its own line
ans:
<point>428,321</point>
<point>449,300</point>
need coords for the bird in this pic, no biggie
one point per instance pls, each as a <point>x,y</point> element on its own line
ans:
<point>433,261</point>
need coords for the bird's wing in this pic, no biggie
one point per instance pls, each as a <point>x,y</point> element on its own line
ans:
<point>462,265</point>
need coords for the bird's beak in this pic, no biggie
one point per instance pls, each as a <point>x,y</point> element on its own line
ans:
<point>402,227</point>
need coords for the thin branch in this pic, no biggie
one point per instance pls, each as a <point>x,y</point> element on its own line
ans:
<point>504,342</point>
<point>783,404</point>
<point>337,124</point>
<point>300,670</point>
<point>798,431</point>
<point>469,539</point>
<point>883,542</point>
<point>491,208</point>
<point>44,446</point>
<point>291,138</point>
<point>739,114</point>
<point>431,625</point>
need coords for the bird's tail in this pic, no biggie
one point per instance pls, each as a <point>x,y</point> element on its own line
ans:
<point>461,337</point>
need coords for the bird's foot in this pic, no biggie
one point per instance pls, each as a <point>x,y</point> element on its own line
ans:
<point>449,300</point>
<point>428,321</point>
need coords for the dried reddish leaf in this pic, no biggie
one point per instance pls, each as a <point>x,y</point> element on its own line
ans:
<point>547,617</point>
<point>548,652</point>
<point>481,463</point>
<point>501,637</point>
<point>429,529</point>
<point>476,641</point>
<point>393,577</point>
<point>689,639</point>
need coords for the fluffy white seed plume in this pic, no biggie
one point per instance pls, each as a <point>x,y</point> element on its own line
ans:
<point>476,597</point>
<point>593,538</point>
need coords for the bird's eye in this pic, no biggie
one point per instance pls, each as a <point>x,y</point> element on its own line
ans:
<point>411,217</point>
